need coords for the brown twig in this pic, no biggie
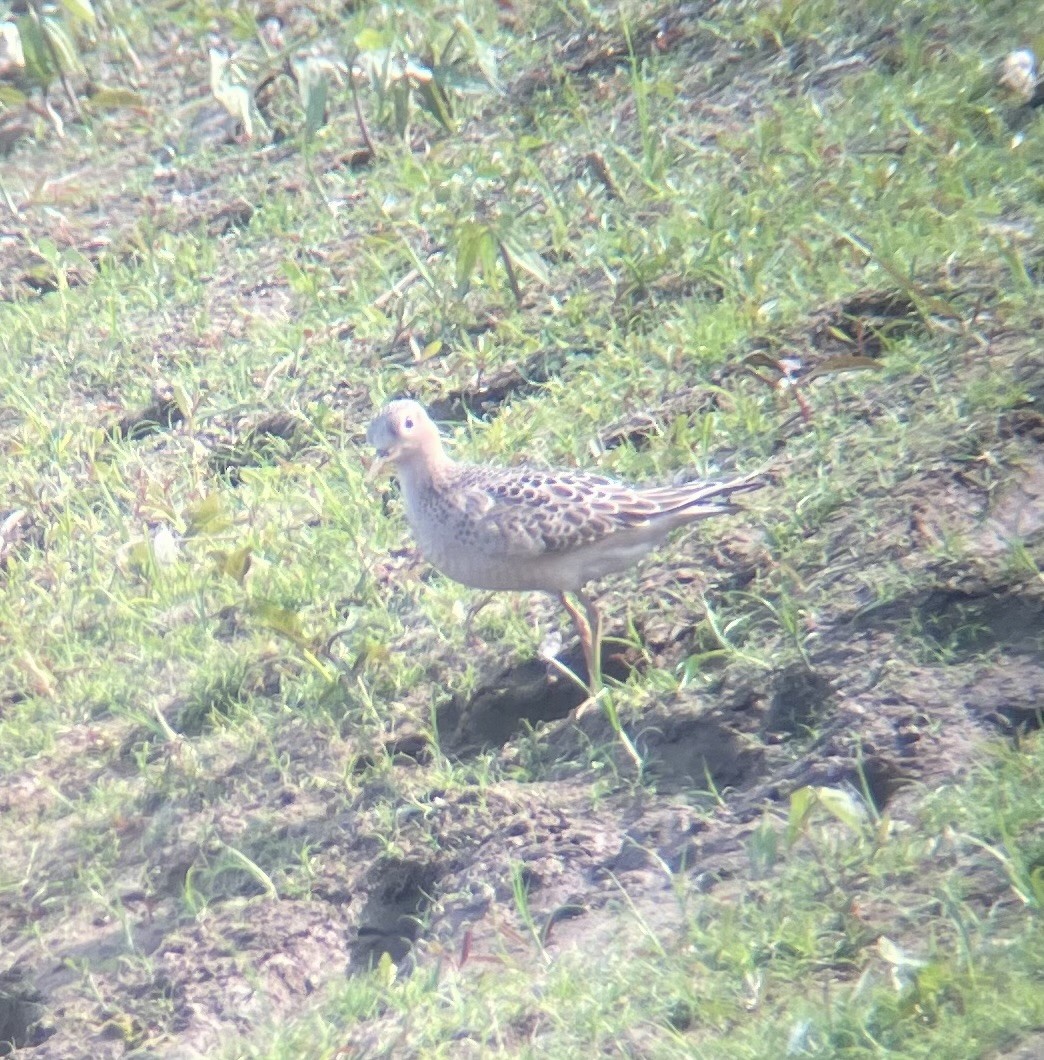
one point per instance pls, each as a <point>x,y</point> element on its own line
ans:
<point>358,111</point>
<point>407,281</point>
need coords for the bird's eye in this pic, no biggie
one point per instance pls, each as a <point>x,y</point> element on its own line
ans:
<point>408,423</point>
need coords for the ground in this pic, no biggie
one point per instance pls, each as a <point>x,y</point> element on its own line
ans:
<point>266,793</point>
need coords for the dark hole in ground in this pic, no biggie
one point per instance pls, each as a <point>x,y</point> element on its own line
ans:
<point>410,748</point>
<point>879,779</point>
<point>490,391</point>
<point>863,324</point>
<point>800,700</point>
<point>42,279</point>
<point>405,749</point>
<point>1009,693</point>
<point>264,443</point>
<point>964,626</point>
<point>531,692</point>
<point>230,218</point>
<point>391,919</point>
<point>874,778</point>
<point>21,1010</point>
<point>162,415</point>
<point>686,752</point>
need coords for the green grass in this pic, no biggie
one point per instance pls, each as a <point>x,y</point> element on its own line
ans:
<point>210,639</point>
<point>794,959</point>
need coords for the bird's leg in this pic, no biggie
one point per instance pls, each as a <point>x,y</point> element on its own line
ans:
<point>581,619</point>
<point>472,614</point>
<point>595,624</point>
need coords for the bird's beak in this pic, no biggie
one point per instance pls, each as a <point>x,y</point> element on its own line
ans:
<point>380,466</point>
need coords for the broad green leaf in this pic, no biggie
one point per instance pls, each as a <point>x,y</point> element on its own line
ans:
<point>48,250</point>
<point>64,46</point>
<point>137,556</point>
<point>933,980</point>
<point>314,88</point>
<point>80,10</point>
<point>487,252</point>
<point>183,400</point>
<point>299,280</point>
<point>11,97</point>
<point>400,95</point>
<point>469,236</point>
<point>110,98</point>
<point>38,63</point>
<point>235,564</point>
<point>386,970</point>
<point>371,40</point>
<point>280,620</point>
<point>801,802</point>
<point>1036,881</point>
<point>432,97</point>
<point>845,807</point>
<point>208,516</point>
<point>526,260</point>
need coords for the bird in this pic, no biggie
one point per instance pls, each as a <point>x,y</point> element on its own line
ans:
<point>530,529</point>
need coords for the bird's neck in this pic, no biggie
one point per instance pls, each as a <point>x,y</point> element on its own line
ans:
<point>421,472</point>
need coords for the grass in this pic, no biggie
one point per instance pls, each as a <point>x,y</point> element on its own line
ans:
<point>952,976</point>
<point>211,638</point>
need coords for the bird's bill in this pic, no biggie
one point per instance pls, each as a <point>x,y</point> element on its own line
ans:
<point>381,465</point>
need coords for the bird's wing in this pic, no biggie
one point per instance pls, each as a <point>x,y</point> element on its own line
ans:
<point>527,512</point>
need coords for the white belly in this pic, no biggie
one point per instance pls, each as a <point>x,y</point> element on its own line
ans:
<point>550,572</point>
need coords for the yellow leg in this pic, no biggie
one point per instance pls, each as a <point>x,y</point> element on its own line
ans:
<point>594,623</point>
<point>472,614</point>
<point>588,624</point>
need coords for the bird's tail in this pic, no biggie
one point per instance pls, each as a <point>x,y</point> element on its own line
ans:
<point>700,500</point>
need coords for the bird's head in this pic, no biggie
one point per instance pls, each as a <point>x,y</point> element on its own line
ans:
<point>403,433</point>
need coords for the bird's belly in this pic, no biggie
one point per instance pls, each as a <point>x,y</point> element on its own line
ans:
<point>548,572</point>
<point>480,571</point>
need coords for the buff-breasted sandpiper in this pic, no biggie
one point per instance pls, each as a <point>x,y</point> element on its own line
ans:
<point>533,530</point>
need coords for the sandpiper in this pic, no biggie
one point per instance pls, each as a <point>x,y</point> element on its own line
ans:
<point>533,530</point>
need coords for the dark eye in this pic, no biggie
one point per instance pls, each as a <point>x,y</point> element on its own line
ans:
<point>408,423</point>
